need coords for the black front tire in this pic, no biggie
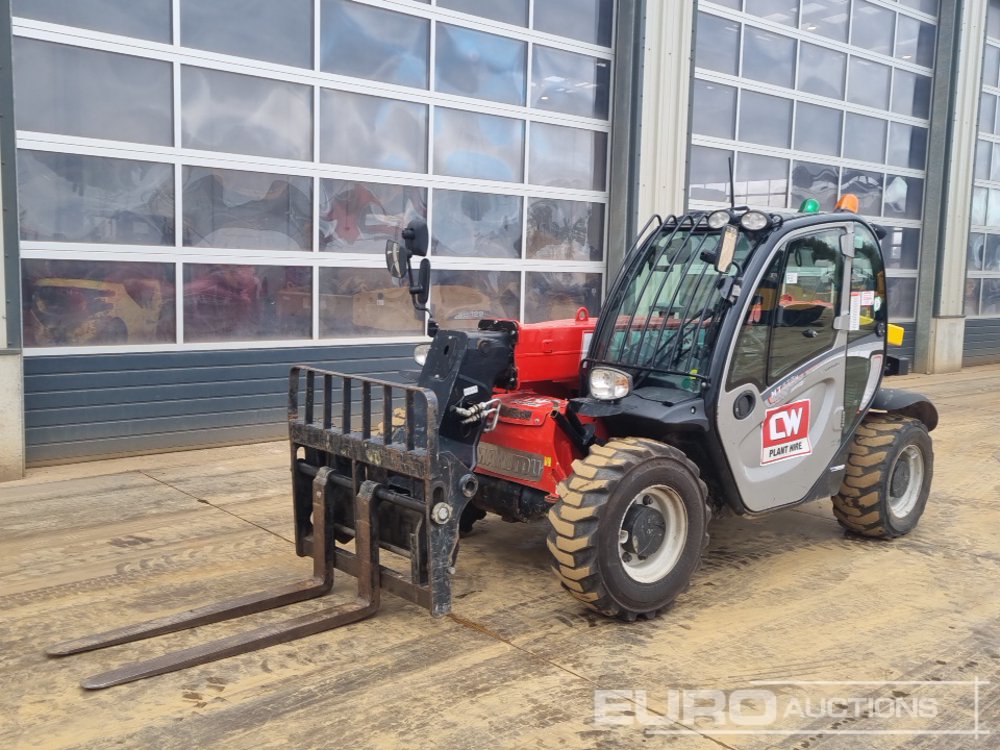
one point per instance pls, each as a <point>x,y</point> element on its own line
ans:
<point>888,478</point>
<point>587,521</point>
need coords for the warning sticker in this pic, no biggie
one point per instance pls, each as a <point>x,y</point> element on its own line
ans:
<point>868,298</point>
<point>855,319</point>
<point>786,432</point>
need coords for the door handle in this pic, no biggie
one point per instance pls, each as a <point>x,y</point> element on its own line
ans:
<point>810,333</point>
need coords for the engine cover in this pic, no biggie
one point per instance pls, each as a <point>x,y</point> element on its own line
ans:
<point>529,446</point>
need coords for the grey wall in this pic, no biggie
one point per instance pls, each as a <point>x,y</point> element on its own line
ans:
<point>88,406</point>
<point>982,341</point>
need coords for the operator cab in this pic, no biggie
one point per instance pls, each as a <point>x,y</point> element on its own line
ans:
<point>728,323</point>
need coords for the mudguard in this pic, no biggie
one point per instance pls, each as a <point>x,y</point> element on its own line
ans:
<point>907,403</point>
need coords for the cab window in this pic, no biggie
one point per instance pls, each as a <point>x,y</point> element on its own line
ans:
<point>792,311</point>
<point>807,303</point>
<point>867,301</point>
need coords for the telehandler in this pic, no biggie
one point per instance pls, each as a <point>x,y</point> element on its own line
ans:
<point>737,365</point>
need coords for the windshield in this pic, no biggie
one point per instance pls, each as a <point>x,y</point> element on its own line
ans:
<point>667,308</point>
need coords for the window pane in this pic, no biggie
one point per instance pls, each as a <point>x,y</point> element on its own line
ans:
<point>826,17</point>
<point>761,180</point>
<point>864,138</point>
<point>586,20</point>
<point>993,20</point>
<point>915,41</point>
<point>557,296</point>
<point>768,57</point>
<point>926,6</point>
<point>984,155</point>
<point>911,94</point>
<point>867,186</point>
<point>246,303</point>
<point>77,91</point>
<point>995,165</point>
<point>765,119</point>
<point>709,179</point>
<point>565,230</point>
<point>359,302</point>
<point>991,298</point>
<point>901,248</point>
<point>987,113</point>
<point>872,27</point>
<point>819,181</point>
<point>467,144</point>
<point>358,217</point>
<point>246,210</point>
<point>718,44</point>
<point>94,303</point>
<point>481,65</point>
<point>74,198</point>
<point>907,146</point>
<point>993,210</point>
<point>245,115</point>
<point>777,11</point>
<point>979,206</point>
<point>367,42</point>
<point>902,298</point>
<point>991,258</point>
<point>975,253</point>
<point>714,109</point>
<point>368,131</point>
<point>477,225</point>
<point>567,157</point>
<point>817,129</point>
<point>144,19</point>
<point>260,29</point>
<point>509,11</point>
<point>460,299</point>
<point>570,83</point>
<point>904,197</point>
<point>822,71</point>
<point>991,65</point>
<point>808,294</point>
<point>973,289</point>
<point>869,83</point>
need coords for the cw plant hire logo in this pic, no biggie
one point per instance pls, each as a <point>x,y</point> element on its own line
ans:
<point>804,707</point>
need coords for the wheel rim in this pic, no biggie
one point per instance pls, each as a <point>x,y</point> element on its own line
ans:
<point>670,509</point>
<point>905,481</point>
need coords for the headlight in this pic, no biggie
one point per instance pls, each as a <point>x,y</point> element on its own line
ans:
<point>607,384</point>
<point>754,221</point>
<point>420,353</point>
<point>718,219</point>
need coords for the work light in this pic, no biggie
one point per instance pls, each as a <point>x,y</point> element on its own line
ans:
<point>608,384</point>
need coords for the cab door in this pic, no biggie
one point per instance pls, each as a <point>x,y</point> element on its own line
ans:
<point>780,416</point>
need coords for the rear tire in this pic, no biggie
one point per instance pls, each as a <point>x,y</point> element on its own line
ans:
<point>888,478</point>
<point>629,528</point>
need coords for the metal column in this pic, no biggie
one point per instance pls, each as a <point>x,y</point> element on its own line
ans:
<point>11,363</point>
<point>948,200</point>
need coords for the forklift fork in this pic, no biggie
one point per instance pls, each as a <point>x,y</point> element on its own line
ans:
<point>321,582</point>
<point>407,473</point>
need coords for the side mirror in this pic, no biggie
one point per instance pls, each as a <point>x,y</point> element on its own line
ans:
<point>416,238</point>
<point>423,291</point>
<point>727,249</point>
<point>397,259</point>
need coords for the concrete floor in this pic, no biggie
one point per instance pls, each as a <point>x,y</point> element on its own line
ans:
<point>786,597</point>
